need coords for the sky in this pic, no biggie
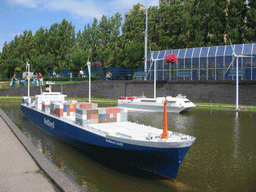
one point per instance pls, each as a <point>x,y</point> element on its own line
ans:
<point>17,16</point>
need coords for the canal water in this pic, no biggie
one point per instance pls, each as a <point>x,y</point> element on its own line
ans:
<point>223,157</point>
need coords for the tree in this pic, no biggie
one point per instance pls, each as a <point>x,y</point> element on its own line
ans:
<point>133,38</point>
<point>251,22</point>
<point>108,49</point>
<point>236,27</point>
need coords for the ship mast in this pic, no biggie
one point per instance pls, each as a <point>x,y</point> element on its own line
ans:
<point>165,126</point>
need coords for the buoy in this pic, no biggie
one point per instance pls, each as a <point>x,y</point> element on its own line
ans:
<point>165,126</point>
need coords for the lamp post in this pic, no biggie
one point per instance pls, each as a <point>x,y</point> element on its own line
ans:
<point>28,71</point>
<point>89,71</point>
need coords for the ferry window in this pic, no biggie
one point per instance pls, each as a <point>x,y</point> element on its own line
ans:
<point>171,101</point>
<point>147,100</point>
<point>186,101</point>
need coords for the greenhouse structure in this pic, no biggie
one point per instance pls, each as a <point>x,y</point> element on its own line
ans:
<point>204,63</point>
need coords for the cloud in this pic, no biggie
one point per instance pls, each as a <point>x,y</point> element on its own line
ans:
<point>77,8</point>
<point>128,4</point>
<point>27,3</point>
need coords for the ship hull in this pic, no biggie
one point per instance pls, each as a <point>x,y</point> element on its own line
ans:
<point>162,161</point>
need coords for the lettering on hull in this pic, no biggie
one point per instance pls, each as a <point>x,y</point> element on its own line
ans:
<point>114,142</point>
<point>49,123</point>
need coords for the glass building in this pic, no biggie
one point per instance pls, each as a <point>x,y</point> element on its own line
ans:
<point>204,63</point>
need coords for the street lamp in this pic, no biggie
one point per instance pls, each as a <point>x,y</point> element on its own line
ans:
<point>89,71</point>
<point>28,71</point>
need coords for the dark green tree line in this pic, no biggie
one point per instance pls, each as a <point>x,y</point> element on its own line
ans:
<point>179,24</point>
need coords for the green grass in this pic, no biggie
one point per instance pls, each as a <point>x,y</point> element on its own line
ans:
<point>113,102</point>
<point>10,99</point>
<point>223,106</point>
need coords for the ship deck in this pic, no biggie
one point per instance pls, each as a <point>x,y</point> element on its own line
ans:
<point>127,129</point>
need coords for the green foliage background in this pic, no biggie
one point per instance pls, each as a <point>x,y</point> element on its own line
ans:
<point>180,24</point>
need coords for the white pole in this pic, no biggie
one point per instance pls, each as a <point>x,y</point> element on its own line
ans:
<point>89,71</point>
<point>146,39</point>
<point>237,83</point>
<point>28,70</point>
<point>155,80</point>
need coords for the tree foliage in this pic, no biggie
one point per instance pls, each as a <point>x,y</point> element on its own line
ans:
<point>178,24</point>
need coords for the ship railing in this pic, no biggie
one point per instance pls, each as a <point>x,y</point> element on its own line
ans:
<point>96,130</point>
<point>123,135</point>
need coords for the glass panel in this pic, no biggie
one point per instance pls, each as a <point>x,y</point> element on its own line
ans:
<point>202,74</point>
<point>247,74</point>
<point>161,55</point>
<point>254,49</point>
<point>246,61</point>
<point>176,51</point>
<point>195,74</point>
<point>182,53</point>
<point>180,63</point>
<point>166,65</point>
<point>155,54</point>
<point>247,49</point>
<point>229,50</point>
<point>238,49</point>
<point>159,75</point>
<point>219,62</point>
<point>203,62</point>
<point>195,63</point>
<point>219,73</point>
<point>188,63</point>
<point>173,74</point>
<point>211,62</point>
<point>150,75</point>
<point>165,75</point>
<point>168,52</point>
<point>189,52</point>
<point>149,55</point>
<point>211,74</point>
<point>254,74</point>
<point>159,64</point>
<point>204,52</point>
<point>220,50</point>
<point>197,52</point>
<point>212,51</point>
<point>150,65</point>
<point>228,60</point>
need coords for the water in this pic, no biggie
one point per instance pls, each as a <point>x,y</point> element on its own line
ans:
<point>223,157</point>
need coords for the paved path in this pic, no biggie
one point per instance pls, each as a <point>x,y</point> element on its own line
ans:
<point>21,164</point>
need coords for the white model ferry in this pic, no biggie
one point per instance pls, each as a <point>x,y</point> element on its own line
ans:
<point>85,124</point>
<point>176,104</point>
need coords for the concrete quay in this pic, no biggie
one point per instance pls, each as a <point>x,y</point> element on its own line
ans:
<point>24,168</point>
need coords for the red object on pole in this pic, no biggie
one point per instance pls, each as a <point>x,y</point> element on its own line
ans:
<point>171,58</point>
<point>165,126</point>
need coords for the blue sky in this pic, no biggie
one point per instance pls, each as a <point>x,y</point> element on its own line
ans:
<point>17,16</point>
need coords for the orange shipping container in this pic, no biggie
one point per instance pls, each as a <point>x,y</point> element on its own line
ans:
<point>92,116</point>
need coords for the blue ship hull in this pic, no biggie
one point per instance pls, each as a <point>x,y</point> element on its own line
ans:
<point>162,161</point>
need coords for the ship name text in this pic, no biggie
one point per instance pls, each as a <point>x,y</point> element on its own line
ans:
<point>49,123</point>
<point>114,142</point>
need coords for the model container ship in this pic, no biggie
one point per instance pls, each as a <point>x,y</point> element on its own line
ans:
<point>106,129</point>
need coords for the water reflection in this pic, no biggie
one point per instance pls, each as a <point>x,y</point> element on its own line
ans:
<point>223,158</point>
<point>236,134</point>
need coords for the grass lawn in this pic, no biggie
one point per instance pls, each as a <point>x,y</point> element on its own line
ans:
<point>113,102</point>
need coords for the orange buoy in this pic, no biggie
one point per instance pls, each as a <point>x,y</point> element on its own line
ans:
<point>165,126</point>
